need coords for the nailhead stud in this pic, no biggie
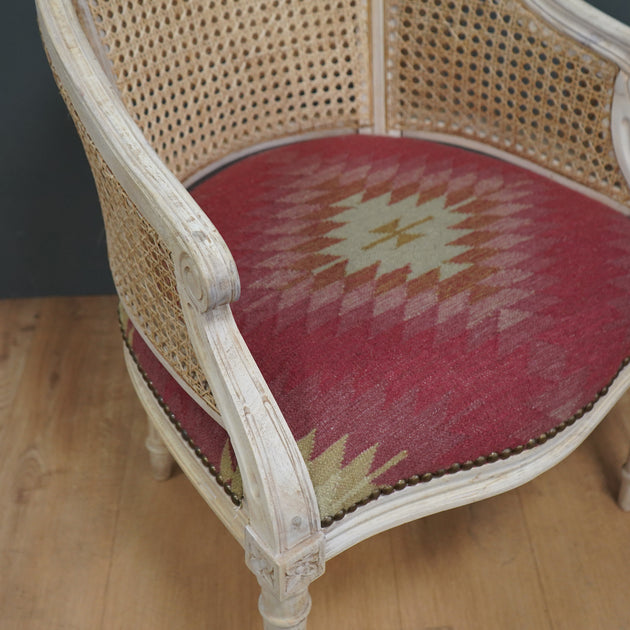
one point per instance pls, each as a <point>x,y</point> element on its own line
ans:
<point>400,484</point>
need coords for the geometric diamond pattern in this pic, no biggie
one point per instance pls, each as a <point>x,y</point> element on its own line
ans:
<point>414,306</point>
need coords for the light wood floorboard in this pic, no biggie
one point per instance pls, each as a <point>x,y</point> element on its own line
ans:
<point>89,541</point>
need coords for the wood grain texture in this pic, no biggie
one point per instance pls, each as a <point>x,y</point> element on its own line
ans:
<point>89,540</point>
<point>63,451</point>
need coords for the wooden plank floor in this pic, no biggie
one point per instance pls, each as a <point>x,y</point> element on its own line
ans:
<point>89,541</point>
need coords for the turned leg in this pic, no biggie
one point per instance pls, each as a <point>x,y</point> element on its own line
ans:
<point>284,579</point>
<point>287,614</point>
<point>161,460</point>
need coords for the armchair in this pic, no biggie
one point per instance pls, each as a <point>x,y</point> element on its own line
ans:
<point>338,313</point>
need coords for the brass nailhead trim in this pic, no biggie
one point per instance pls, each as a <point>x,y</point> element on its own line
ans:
<point>482,460</point>
<point>401,484</point>
<point>237,500</point>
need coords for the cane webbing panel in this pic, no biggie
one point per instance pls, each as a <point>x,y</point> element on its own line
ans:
<point>204,78</point>
<point>493,71</point>
<point>143,270</point>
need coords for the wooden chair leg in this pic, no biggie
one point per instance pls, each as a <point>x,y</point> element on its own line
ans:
<point>288,614</point>
<point>161,459</point>
<point>624,490</point>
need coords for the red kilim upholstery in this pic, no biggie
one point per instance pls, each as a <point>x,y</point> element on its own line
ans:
<point>415,308</point>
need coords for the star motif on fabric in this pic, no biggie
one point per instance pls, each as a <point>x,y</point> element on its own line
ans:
<point>392,236</point>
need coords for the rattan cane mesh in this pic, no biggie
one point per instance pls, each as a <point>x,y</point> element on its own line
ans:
<point>493,71</point>
<point>145,278</point>
<point>143,271</point>
<point>204,78</point>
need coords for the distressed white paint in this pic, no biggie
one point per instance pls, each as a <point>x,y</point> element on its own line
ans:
<point>278,521</point>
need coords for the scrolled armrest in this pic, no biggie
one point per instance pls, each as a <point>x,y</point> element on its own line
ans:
<point>208,270</point>
<point>197,276</point>
<point>162,249</point>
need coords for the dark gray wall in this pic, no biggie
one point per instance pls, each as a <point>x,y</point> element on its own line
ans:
<point>51,238</point>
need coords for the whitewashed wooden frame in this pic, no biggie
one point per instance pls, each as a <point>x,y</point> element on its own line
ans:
<point>278,523</point>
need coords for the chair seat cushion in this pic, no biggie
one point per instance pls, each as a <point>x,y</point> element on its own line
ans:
<point>415,308</point>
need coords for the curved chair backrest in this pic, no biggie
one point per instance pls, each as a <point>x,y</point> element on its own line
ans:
<point>204,80</point>
<point>208,80</point>
<point>498,74</point>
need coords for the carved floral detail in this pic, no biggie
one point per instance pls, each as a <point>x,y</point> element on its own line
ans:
<point>286,574</point>
<point>305,570</point>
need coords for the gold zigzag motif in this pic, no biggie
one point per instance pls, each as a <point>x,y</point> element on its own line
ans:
<point>393,230</point>
<point>336,486</point>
